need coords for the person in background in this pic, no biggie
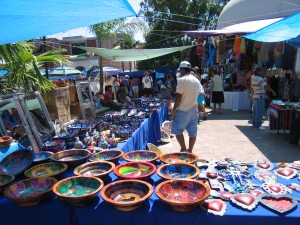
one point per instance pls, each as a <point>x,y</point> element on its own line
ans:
<point>121,94</point>
<point>185,111</point>
<point>217,93</point>
<point>125,81</point>
<point>134,84</point>
<point>166,90</point>
<point>201,99</point>
<point>147,83</point>
<point>108,99</point>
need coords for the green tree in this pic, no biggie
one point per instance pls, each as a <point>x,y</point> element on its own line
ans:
<point>168,18</point>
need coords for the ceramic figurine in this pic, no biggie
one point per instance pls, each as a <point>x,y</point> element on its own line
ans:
<point>88,139</point>
<point>103,143</point>
<point>78,144</point>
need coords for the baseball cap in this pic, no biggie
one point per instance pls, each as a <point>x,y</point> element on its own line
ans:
<point>185,64</point>
<point>126,76</point>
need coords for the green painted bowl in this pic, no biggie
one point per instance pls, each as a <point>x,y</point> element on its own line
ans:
<point>51,169</point>
<point>5,180</point>
<point>78,190</point>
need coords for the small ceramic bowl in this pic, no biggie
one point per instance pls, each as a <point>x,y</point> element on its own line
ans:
<point>109,155</point>
<point>31,191</point>
<point>99,169</point>
<point>154,148</point>
<point>72,158</point>
<point>78,190</point>
<point>42,156</point>
<point>140,155</point>
<point>50,169</point>
<point>5,180</point>
<point>126,195</point>
<point>179,157</point>
<point>165,137</point>
<point>183,194</point>
<point>135,170</point>
<point>5,141</point>
<point>178,171</point>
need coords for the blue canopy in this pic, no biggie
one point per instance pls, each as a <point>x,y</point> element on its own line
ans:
<point>24,20</point>
<point>285,29</point>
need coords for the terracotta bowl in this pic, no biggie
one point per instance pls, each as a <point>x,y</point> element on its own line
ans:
<point>5,180</point>
<point>50,169</point>
<point>140,155</point>
<point>54,146</point>
<point>135,170</point>
<point>178,171</point>
<point>42,156</point>
<point>179,157</point>
<point>78,190</point>
<point>72,158</point>
<point>5,141</point>
<point>154,148</point>
<point>109,155</point>
<point>126,195</point>
<point>182,194</point>
<point>31,191</point>
<point>99,169</point>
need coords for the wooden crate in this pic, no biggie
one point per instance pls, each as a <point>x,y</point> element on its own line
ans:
<point>59,97</point>
<point>73,94</point>
<point>75,109</point>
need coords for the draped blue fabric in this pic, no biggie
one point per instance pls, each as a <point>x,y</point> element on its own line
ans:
<point>211,55</point>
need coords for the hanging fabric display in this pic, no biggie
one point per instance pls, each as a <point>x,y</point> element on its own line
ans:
<point>211,52</point>
<point>199,49</point>
<point>243,46</point>
<point>237,45</point>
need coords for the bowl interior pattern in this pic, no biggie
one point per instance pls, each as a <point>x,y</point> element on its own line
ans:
<point>142,155</point>
<point>177,171</point>
<point>179,157</point>
<point>135,170</point>
<point>16,162</point>
<point>154,148</point>
<point>70,155</point>
<point>42,156</point>
<point>110,155</point>
<point>98,169</point>
<point>46,170</point>
<point>5,179</point>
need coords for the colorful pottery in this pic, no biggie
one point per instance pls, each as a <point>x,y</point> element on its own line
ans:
<point>71,157</point>
<point>183,194</point>
<point>275,188</point>
<point>51,169</point>
<point>5,180</point>
<point>126,195</point>
<point>95,169</point>
<point>178,171</point>
<point>140,155</point>
<point>214,206</point>
<point>42,156</point>
<point>154,148</point>
<point>280,203</point>
<point>286,173</point>
<point>135,170</point>
<point>109,155</point>
<point>165,137</point>
<point>244,200</point>
<point>179,157</point>
<point>167,124</point>
<point>54,146</point>
<point>5,141</point>
<point>78,190</point>
<point>31,191</point>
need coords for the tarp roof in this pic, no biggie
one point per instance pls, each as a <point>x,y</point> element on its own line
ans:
<point>239,11</point>
<point>23,20</point>
<point>127,55</point>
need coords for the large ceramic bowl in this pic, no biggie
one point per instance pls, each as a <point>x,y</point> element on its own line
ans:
<point>178,171</point>
<point>135,170</point>
<point>109,155</point>
<point>126,195</point>
<point>5,180</point>
<point>5,141</point>
<point>154,148</point>
<point>51,169</point>
<point>78,190</point>
<point>99,169</point>
<point>42,156</point>
<point>31,191</point>
<point>179,157</point>
<point>72,158</point>
<point>140,155</point>
<point>182,195</point>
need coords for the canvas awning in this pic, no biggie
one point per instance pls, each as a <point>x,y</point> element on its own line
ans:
<point>24,20</point>
<point>127,55</point>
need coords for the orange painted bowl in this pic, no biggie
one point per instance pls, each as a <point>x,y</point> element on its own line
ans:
<point>99,169</point>
<point>126,195</point>
<point>30,191</point>
<point>78,190</point>
<point>178,171</point>
<point>51,169</point>
<point>109,155</point>
<point>5,180</point>
<point>141,155</point>
<point>179,157</point>
<point>135,170</point>
<point>72,158</point>
<point>42,156</point>
<point>5,141</point>
<point>182,194</point>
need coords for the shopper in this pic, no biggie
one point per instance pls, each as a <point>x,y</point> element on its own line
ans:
<point>109,100</point>
<point>185,112</point>
<point>147,83</point>
<point>134,84</point>
<point>217,93</point>
<point>201,98</point>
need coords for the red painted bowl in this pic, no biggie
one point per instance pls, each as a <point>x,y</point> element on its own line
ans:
<point>135,170</point>
<point>140,155</point>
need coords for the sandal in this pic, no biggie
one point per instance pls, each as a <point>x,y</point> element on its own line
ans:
<point>184,150</point>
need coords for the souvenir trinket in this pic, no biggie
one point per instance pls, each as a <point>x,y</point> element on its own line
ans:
<point>280,203</point>
<point>225,195</point>
<point>294,186</point>
<point>256,192</point>
<point>214,206</point>
<point>275,188</point>
<point>245,200</point>
<point>78,144</point>
<point>286,173</point>
<point>282,164</point>
<point>265,175</point>
<point>296,165</point>
<point>263,164</point>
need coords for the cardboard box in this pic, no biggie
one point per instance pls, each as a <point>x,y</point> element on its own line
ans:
<point>59,97</point>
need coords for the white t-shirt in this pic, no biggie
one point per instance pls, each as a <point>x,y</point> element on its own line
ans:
<point>189,87</point>
<point>147,81</point>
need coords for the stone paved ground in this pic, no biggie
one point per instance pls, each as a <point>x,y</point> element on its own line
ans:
<point>231,135</point>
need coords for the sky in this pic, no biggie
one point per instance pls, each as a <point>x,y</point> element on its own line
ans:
<point>84,31</point>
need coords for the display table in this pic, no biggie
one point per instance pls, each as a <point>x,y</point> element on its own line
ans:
<point>280,118</point>
<point>236,101</point>
<point>153,212</point>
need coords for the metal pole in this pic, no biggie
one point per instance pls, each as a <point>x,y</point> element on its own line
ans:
<point>45,50</point>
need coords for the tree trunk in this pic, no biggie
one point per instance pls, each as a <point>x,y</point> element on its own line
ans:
<point>101,73</point>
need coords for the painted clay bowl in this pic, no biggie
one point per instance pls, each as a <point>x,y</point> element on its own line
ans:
<point>109,155</point>
<point>178,171</point>
<point>99,169</point>
<point>72,158</point>
<point>165,137</point>
<point>31,191</point>
<point>140,155</point>
<point>5,180</point>
<point>179,157</point>
<point>42,156</point>
<point>167,124</point>
<point>54,146</point>
<point>5,141</point>
<point>154,148</point>
<point>135,170</point>
<point>78,190</point>
<point>50,169</point>
<point>126,195</point>
<point>182,194</point>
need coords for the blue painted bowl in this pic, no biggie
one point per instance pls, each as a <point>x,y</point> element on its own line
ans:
<point>54,146</point>
<point>178,171</point>
<point>42,156</point>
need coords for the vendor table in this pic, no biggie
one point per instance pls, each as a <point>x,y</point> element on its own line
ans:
<point>236,101</point>
<point>153,212</point>
<point>280,118</point>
